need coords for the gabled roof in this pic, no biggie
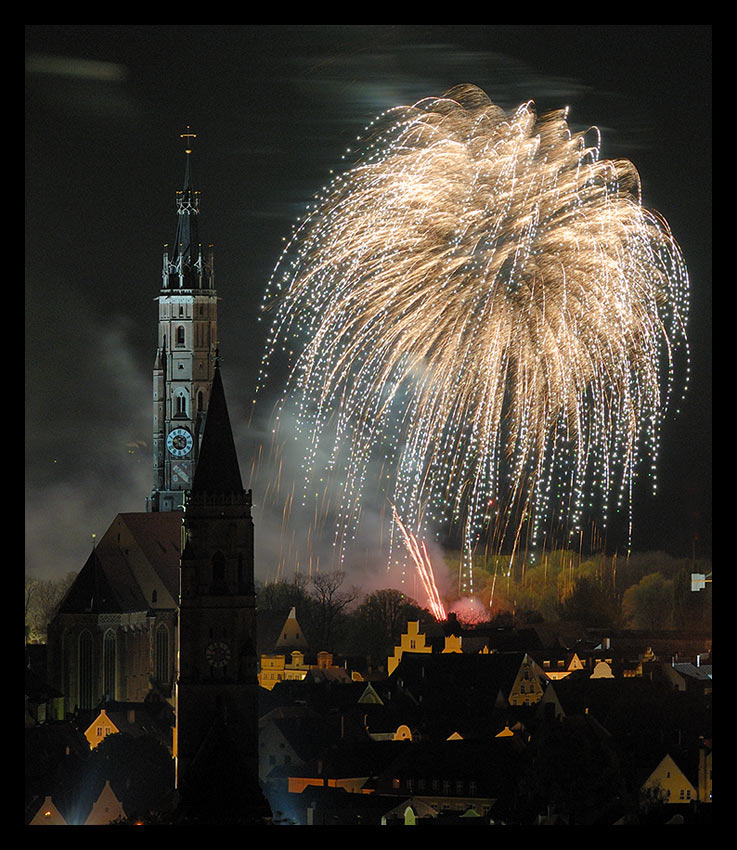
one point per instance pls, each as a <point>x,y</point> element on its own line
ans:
<point>107,583</point>
<point>140,718</point>
<point>484,673</point>
<point>158,535</point>
<point>104,586</point>
<point>291,635</point>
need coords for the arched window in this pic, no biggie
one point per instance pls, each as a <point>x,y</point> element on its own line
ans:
<point>109,647</point>
<point>218,573</point>
<point>162,653</point>
<point>85,678</point>
<point>180,335</point>
<point>181,404</point>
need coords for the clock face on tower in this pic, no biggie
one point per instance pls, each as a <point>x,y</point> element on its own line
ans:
<point>218,654</point>
<point>179,442</point>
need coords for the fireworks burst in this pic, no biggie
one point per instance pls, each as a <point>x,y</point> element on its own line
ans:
<point>484,304</point>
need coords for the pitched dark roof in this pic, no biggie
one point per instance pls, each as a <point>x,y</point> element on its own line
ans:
<point>104,586</point>
<point>107,584</point>
<point>217,468</point>
<point>158,534</point>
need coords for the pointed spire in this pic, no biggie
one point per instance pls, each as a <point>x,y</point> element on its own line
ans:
<point>187,268</point>
<point>188,208</point>
<point>217,468</point>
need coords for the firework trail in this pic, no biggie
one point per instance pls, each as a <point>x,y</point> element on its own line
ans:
<point>421,559</point>
<point>484,304</point>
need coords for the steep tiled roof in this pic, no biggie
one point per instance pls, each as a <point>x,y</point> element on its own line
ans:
<point>107,584</point>
<point>104,585</point>
<point>159,536</point>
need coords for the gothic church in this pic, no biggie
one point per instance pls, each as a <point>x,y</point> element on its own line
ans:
<point>165,603</point>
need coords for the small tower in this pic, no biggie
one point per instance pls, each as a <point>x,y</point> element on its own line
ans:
<point>217,690</point>
<point>184,364</point>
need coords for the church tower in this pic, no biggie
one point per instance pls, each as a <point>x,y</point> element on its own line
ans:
<point>217,690</point>
<point>187,341</point>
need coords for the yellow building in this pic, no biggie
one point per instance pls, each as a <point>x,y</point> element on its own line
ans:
<point>670,782</point>
<point>559,667</point>
<point>412,641</point>
<point>48,815</point>
<point>276,668</point>
<point>100,728</point>
<point>107,808</point>
<point>528,684</point>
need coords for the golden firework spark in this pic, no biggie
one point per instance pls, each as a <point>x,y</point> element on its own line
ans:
<point>486,305</point>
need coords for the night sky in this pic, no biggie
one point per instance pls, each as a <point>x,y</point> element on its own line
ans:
<point>275,108</point>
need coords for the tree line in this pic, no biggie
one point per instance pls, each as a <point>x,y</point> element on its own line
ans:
<point>643,591</point>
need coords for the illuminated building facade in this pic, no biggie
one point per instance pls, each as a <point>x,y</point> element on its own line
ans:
<point>184,364</point>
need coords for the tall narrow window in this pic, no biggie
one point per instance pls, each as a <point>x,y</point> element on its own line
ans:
<point>218,573</point>
<point>180,335</point>
<point>182,404</point>
<point>85,681</point>
<point>162,653</point>
<point>109,660</point>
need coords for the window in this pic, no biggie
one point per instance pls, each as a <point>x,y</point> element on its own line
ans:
<point>162,653</point>
<point>109,658</point>
<point>218,573</point>
<point>181,404</point>
<point>180,335</point>
<point>85,680</point>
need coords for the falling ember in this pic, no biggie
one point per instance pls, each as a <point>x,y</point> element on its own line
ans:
<point>484,306</point>
<point>421,559</point>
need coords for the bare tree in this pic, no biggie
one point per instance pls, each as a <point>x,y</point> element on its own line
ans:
<point>331,603</point>
<point>42,598</point>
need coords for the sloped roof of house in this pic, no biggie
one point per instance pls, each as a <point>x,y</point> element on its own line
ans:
<point>482,674</point>
<point>491,764</point>
<point>154,718</point>
<point>701,672</point>
<point>306,731</point>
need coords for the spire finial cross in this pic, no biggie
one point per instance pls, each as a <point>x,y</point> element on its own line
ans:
<point>187,136</point>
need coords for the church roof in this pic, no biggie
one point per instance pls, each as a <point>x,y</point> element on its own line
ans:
<point>108,582</point>
<point>217,468</point>
<point>104,586</point>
